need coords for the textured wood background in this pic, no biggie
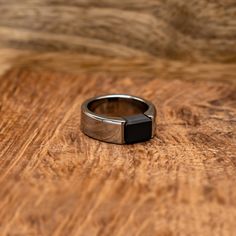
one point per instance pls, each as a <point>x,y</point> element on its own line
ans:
<point>179,54</point>
<point>196,30</point>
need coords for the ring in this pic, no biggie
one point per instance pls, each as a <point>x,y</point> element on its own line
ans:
<point>118,118</point>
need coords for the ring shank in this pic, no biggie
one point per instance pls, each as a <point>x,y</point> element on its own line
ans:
<point>103,117</point>
<point>117,107</point>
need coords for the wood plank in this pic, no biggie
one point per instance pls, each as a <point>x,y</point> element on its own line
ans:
<point>56,181</point>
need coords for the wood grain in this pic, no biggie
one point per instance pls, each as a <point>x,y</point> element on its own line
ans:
<point>179,54</point>
<point>202,31</point>
<point>56,181</point>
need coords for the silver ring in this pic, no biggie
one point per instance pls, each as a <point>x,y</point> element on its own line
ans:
<point>118,118</point>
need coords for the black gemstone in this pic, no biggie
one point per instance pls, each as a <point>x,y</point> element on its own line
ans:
<point>138,128</point>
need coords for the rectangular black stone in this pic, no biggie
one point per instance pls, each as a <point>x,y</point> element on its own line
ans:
<point>138,128</point>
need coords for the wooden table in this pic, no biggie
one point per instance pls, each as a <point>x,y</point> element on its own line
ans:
<point>56,181</point>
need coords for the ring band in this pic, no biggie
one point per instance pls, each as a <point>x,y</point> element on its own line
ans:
<point>118,118</point>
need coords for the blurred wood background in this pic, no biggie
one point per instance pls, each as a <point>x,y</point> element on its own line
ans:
<point>179,54</point>
<point>144,31</point>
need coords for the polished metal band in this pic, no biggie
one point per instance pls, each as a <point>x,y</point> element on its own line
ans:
<point>118,118</point>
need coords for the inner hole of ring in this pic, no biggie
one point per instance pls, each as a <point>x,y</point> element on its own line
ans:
<point>117,107</point>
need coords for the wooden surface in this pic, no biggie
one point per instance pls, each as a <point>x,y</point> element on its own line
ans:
<point>56,181</point>
<point>196,30</point>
